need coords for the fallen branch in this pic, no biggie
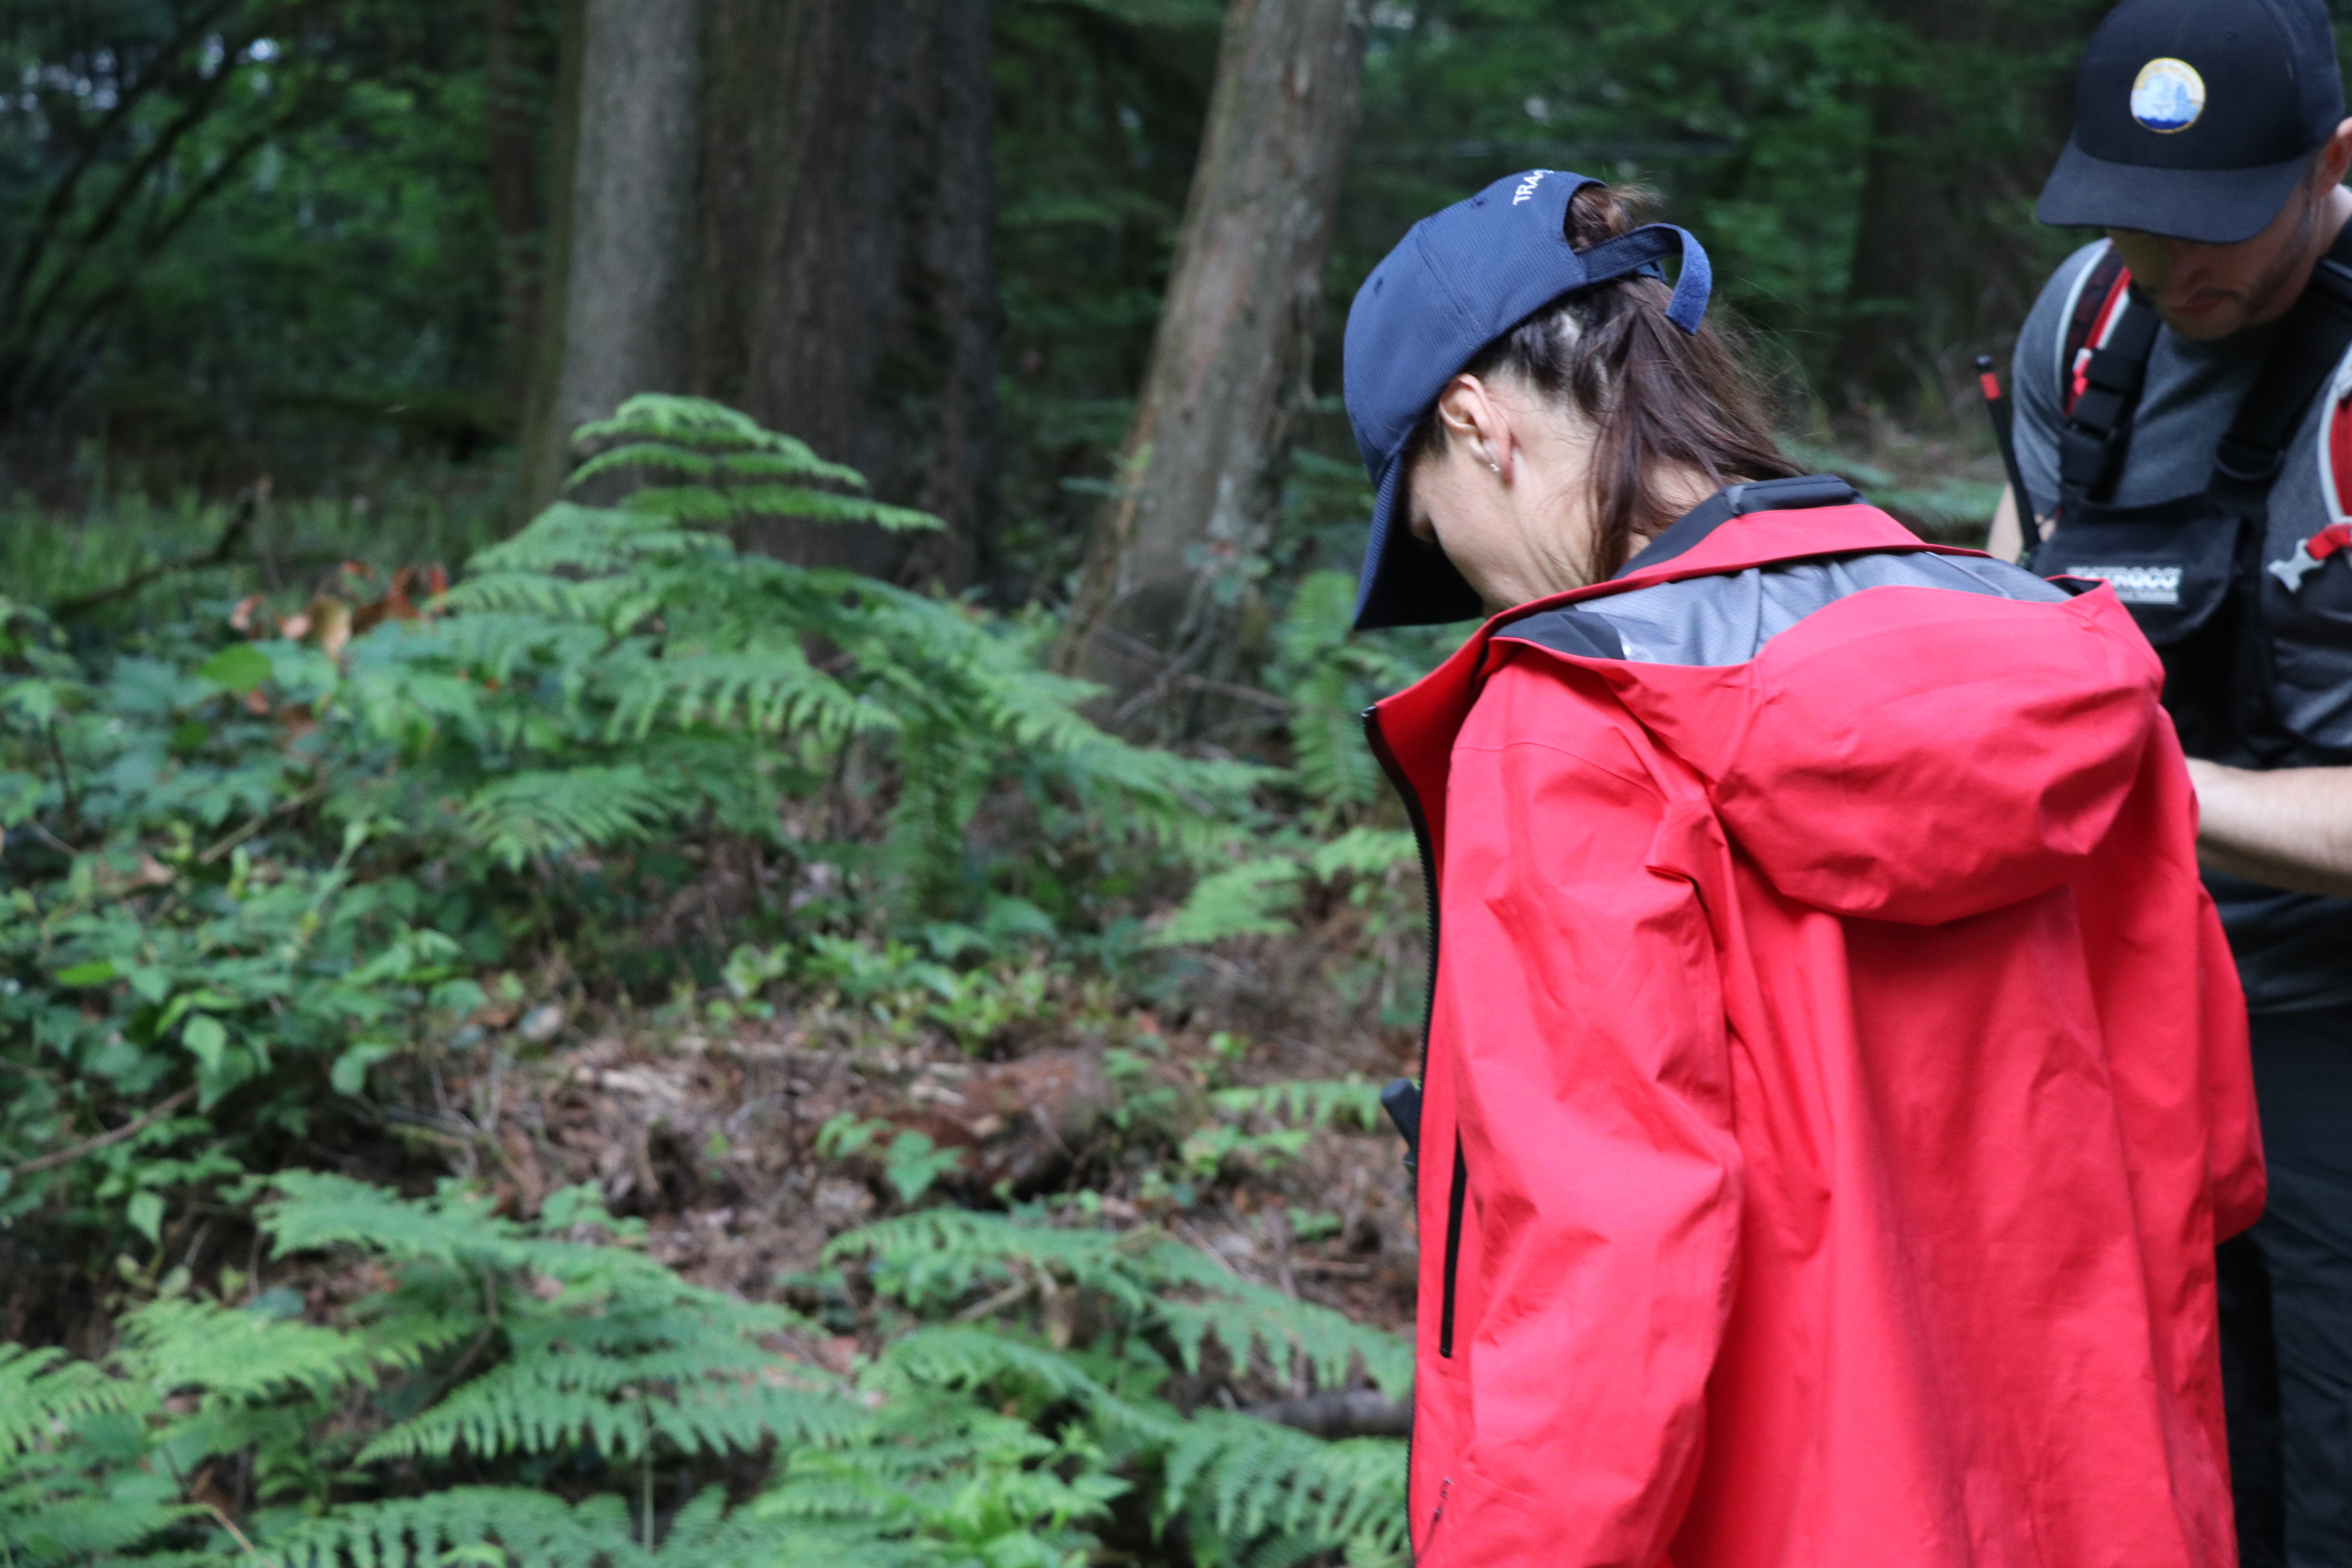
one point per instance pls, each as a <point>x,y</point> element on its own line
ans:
<point>224,550</point>
<point>283,808</point>
<point>1342,1413</point>
<point>92,1145</point>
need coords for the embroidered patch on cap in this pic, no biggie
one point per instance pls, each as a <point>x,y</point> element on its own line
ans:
<point>2168,95</point>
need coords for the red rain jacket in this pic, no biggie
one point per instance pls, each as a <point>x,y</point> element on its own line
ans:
<point>1836,1081</point>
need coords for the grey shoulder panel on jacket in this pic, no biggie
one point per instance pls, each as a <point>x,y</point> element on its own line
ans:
<point>1727,620</point>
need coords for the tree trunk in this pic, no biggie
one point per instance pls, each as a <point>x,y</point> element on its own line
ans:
<point>843,286</point>
<point>1945,263</point>
<point>1169,559</point>
<point>616,323</point>
<point>514,197</point>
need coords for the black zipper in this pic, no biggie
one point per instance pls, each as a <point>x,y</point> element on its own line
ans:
<point>1412,811</point>
<point>1453,1250</point>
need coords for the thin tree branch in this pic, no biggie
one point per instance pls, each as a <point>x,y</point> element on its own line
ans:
<point>92,1145</point>
<point>222,550</point>
<point>133,181</point>
<point>50,219</point>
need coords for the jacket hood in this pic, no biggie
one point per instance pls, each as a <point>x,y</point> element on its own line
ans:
<point>1898,751</point>
<point>1916,755</point>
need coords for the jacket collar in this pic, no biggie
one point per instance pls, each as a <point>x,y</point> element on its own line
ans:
<point>1414,729</point>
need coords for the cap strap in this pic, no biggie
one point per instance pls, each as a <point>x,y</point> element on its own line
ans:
<point>1653,242</point>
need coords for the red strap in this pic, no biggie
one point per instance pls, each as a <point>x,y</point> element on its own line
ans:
<point>2338,437</point>
<point>2094,329</point>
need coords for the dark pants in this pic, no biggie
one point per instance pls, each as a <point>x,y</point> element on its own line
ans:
<point>2286,1304</point>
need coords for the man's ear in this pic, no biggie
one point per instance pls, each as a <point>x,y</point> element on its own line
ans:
<point>2335,158</point>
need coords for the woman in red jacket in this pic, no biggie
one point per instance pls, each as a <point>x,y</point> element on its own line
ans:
<point>1836,1079</point>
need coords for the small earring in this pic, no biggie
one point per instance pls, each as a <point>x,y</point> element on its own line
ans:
<point>1494,465</point>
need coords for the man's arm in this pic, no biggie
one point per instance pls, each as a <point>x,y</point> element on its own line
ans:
<point>2007,541</point>
<point>2287,829</point>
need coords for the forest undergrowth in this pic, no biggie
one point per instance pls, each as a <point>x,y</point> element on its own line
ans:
<point>617,1049</point>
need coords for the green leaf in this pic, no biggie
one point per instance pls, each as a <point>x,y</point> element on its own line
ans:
<point>94,973</point>
<point>205,1039</point>
<point>236,669</point>
<point>914,1165</point>
<point>147,1216</point>
<point>349,1074</point>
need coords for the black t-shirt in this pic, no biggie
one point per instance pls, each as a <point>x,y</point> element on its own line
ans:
<point>2293,950</point>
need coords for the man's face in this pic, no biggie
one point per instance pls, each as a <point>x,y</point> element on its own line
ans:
<point>2208,291</point>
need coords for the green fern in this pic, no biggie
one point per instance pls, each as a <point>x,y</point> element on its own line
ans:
<point>611,671</point>
<point>1255,1492</point>
<point>1307,1102</point>
<point>932,1258</point>
<point>1240,901</point>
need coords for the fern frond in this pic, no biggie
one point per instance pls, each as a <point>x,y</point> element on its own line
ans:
<point>241,1355</point>
<point>1364,852</point>
<point>1307,1102</point>
<point>696,422</point>
<point>556,811</point>
<point>1245,1479</point>
<point>530,1529</point>
<point>1240,901</point>
<point>311,1211</point>
<point>715,505</point>
<point>767,688</point>
<point>722,458</point>
<point>42,1393</point>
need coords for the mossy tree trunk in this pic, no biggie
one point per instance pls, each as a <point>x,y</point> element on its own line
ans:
<point>1168,568</point>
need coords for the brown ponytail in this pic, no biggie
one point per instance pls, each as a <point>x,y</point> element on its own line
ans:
<point>1657,397</point>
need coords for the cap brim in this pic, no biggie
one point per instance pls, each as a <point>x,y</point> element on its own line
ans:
<point>1406,583</point>
<point>2214,206</point>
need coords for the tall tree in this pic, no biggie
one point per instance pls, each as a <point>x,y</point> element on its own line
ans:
<point>843,287</point>
<point>509,104</point>
<point>784,204</point>
<point>1202,468</point>
<point>613,319</point>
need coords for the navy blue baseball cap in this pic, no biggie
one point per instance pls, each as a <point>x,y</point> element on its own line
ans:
<point>1459,280</point>
<point>2195,119</point>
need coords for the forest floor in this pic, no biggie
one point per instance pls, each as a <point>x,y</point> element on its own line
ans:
<point>716,1134</point>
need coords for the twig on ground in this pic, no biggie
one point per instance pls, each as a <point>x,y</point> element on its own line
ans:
<point>284,807</point>
<point>92,1145</point>
<point>224,550</point>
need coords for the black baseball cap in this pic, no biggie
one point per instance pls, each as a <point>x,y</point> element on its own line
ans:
<point>1457,281</point>
<point>2195,117</point>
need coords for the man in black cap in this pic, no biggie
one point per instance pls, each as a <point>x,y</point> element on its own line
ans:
<point>2181,388</point>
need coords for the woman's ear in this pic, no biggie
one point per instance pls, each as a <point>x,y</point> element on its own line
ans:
<point>1474,418</point>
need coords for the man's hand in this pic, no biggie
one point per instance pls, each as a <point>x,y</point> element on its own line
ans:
<point>2288,829</point>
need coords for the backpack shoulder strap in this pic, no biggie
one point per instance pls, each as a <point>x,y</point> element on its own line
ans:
<point>2312,341</point>
<point>2092,306</point>
<point>2335,445</point>
<point>2110,369</point>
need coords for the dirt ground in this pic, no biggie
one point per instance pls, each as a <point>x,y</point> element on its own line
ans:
<point>711,1133</point>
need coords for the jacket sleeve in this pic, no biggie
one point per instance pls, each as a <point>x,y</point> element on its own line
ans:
<point>1604,1181</point>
